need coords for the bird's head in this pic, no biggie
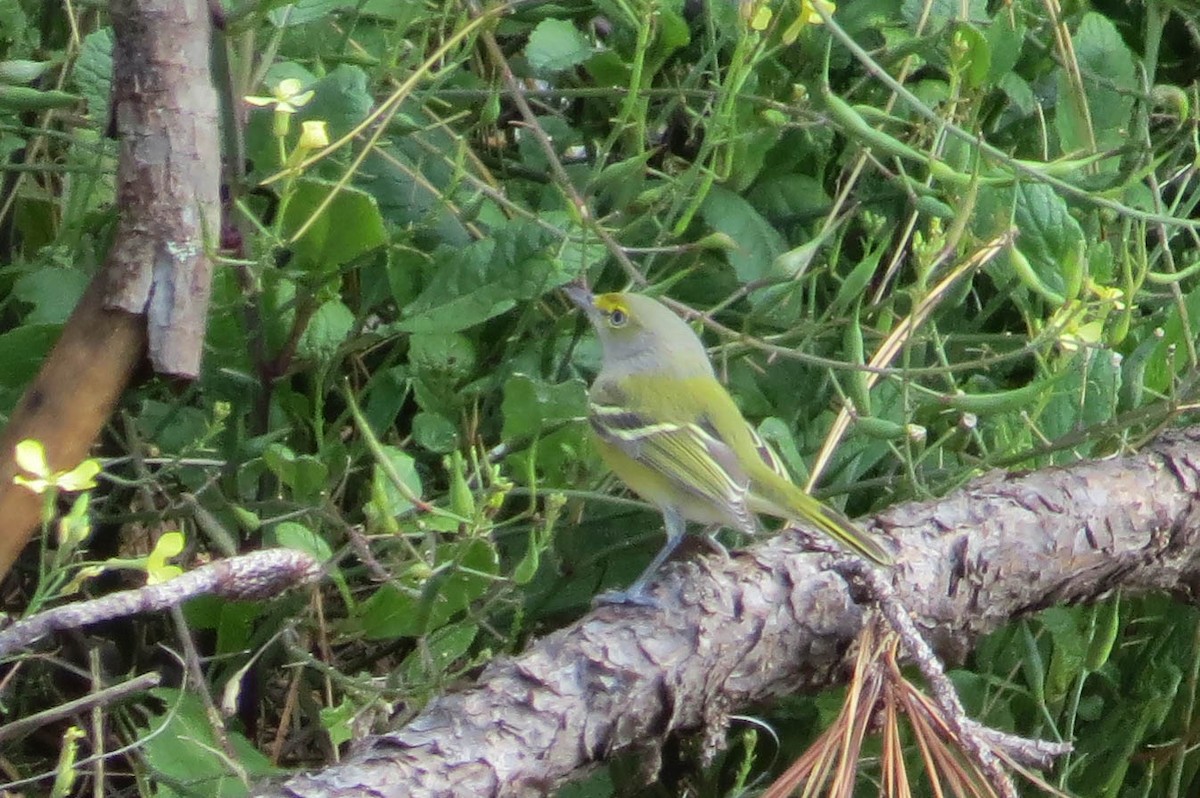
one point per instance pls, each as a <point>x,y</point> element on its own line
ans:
<point>641,334</point>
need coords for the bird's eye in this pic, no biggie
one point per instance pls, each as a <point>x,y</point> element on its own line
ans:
<point>617,318</point>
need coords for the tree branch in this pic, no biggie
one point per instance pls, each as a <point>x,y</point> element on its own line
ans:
<point>776,620</point>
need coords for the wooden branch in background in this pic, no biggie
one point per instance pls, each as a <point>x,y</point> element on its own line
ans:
<point>168,196</point>
<point>776,620</point>
<point>169,193</point>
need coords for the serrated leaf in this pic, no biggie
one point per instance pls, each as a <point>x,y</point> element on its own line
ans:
<point>473,284</point>
<point>93,73</point>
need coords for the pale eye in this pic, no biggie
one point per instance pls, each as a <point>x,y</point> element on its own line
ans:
<point>617,318</point>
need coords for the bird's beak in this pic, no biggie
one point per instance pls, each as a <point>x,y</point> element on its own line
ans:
<point>585,299</point>
<point>580,295</point>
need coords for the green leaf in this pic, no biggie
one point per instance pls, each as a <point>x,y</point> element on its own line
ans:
<point>435,432</point>
<point>345,229</point>
<point>389,613</point>
<point>1050,243</point>
<point>452,356</point>
<point>386,498</point>
<point>302,12</point>
<point>1109,81</point>
<point>292,535</point>
<point>929,17</point>
<point>179,747</point>
<point>473,284</point>
<point>1169,355</point>
<point>556,45</point>
<point>440,651</point>
<point>20,71</point>
<point>758,243</point>
<point>93,73</point>
<point>531,405</point>
<point>1067,652</point>
<point>304,474</point>
<point>788,195</point>
<point>338,722</point>
<point>326,331</point>
<point>174,428</point>
<point>973,54</point>
<point>463,573</point>
<point>52,292</point>
<point>1006,36</point>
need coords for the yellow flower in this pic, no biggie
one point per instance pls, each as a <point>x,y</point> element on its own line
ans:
<point>31,457</point>
<point>808,15</point>
<point>313,135</point>
<point>157,568</point>
<point>287,97</point>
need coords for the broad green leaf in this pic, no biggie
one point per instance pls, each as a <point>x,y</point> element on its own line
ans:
<point>451,356</point>
<point>531,405</point>
<point>1169,355</point>
<point>1067,651</point>
<point>461,574</point>
<point>973,53</point>
<point>52,292</point>
<point>326,331</point>
<point>1109,82</point>
<point>930,17</point>
<point>338,722</point>
<point>304,474</point>
<point>179,747</point>
<point>302,12</point>
<point>440,650</point>
<point>556,45</point>
<point>1050,241</point>
<point>788,195</point>
<point>292,535</point>
<point>386,498</point>
<point>174,428</point>
<point>758,243</point>
<point>343,230</point>
<point>1006,37</point>
<point>473,284</point>
<point>435,432</point>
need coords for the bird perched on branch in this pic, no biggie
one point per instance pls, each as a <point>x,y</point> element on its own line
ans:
<point>667,427</point>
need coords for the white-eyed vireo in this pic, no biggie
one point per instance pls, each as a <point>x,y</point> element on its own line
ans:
<point>673,434</point>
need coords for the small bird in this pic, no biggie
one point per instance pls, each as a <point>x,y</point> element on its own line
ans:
<point>667,427</point>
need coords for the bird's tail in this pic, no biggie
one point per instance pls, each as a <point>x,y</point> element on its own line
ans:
<point>784,500</point>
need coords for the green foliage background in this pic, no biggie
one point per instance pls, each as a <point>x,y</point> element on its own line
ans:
<point>391,378</point>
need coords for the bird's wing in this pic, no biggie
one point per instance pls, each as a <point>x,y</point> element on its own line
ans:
<point>691,455</point>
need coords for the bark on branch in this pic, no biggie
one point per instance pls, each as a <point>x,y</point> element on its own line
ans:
<point>155,283</point>
<point>776,620</point>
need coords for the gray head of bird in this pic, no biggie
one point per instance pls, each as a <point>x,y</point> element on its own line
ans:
<point>641,335</point>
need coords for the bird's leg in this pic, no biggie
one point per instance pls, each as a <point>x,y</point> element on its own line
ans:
<point>710,537</point>
<point>636,594</point>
